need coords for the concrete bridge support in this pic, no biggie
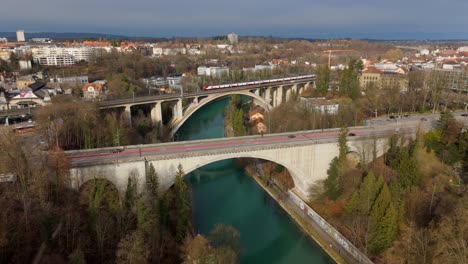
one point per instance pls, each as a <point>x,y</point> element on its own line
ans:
<point>288,93</point>
<point>128,114</point>
<point>268,95</point>
<point>279,96</point>
<point>257,91</point>
<point>177,110</point>
<point>156,113</point>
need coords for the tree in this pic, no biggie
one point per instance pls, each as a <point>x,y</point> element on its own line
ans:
<point>451,236</point>
<point>152,182</point>
<point>225,240</point>
<point>349,80</point>
<point>132,249</point>
<point>182,204</point>
<point>333,183</point>
<point>197,250</point>
<point>77,257</point>
<point>323,79</point>
<point>383,229</point>
<point>394,55</point>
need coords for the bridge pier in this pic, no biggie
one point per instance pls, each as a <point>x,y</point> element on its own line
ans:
<point>156,113</point>
<point>288,94</point>
<point>257,91</point>
<point>177,110</point>
<point>279,95</point>
<point>267,95</point>
<point>128,114</point>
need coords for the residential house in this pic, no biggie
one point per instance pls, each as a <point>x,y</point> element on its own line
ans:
<point>93,90</point>
<point>261,128</point>
<point>26,100</point>
<point>256,115</point>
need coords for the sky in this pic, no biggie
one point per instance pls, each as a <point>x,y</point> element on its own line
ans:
<point>375,19</point>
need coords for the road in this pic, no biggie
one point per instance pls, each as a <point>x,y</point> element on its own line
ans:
<point>379,127</point>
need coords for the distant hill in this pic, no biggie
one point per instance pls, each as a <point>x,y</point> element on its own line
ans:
<point>11,36</point>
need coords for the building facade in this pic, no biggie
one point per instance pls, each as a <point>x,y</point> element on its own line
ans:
<point>20,36</point>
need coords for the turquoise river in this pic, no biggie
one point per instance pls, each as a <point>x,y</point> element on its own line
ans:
<point>224,194</point>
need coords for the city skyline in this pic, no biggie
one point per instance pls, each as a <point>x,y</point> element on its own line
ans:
<point>296,19</point>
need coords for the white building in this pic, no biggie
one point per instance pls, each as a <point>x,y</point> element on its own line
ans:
<point>25,64</point>
<point>47,54</point>
<point>321,104</point>
<point>41,40</point>
<point>56,60</point>
<point>20,36</point>
<point>3,40</point>
<point>81,80</point>
<point>212,71</point>
<point>233,38</point>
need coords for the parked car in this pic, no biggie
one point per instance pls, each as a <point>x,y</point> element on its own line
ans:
<point>351,134</point>
<point>464,115</point>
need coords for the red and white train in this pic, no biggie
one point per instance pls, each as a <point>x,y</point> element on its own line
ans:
<point>234,85</point>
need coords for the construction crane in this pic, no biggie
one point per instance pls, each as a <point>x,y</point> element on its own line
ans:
<point>330,51</point>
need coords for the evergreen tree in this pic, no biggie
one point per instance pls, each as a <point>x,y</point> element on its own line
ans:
<point>408,170</point>
<point>323,79</point>
<point>130,193</point>
<point>343,144</point>
<point>182,204</point>
<point>152,182</point>
<point>333,187</point>
<point>334,183</point>
<point>383,222</point>
<point>368,193</point>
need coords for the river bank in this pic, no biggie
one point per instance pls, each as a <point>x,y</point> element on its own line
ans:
<point>224,194</point>
<point>275,192</point>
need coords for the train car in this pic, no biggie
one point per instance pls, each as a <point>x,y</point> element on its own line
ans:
<point>224,86</point>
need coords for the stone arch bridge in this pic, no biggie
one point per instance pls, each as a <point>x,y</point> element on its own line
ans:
<point>306,155</point>
<point>184,105</point>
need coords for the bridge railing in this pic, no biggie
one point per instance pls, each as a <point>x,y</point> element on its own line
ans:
<point>330,230</point>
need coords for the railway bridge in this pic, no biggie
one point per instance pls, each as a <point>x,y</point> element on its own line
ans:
<point>183,105</point>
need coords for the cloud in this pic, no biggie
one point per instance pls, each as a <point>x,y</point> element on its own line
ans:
<point>208,17</point>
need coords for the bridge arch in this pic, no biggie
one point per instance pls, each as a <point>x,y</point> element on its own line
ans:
<point>191,110</point>
<point>167,170</point>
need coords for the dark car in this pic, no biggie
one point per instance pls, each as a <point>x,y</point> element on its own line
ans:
<point>117,150</point>
<point>464,114</point>
<point>351,134</point>
<point>423,119</point>
<point>291,136</point>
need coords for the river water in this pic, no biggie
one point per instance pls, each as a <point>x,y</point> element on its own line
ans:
<point>224,194</point>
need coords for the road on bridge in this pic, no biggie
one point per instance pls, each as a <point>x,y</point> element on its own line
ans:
<point>380,128</point>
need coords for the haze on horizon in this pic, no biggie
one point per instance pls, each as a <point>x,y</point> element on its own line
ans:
<point>398,19</point>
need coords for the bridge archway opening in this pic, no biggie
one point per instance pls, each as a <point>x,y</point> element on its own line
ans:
<point>100,191</point>
<point>204,101</point>
<point>268,172</point>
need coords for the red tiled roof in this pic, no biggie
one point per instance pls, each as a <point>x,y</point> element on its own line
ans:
<point>371,70</point>
<point>97,86</point>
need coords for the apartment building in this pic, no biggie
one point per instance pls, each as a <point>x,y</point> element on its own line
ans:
<point>384,79</point>
<point>61,56</point>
